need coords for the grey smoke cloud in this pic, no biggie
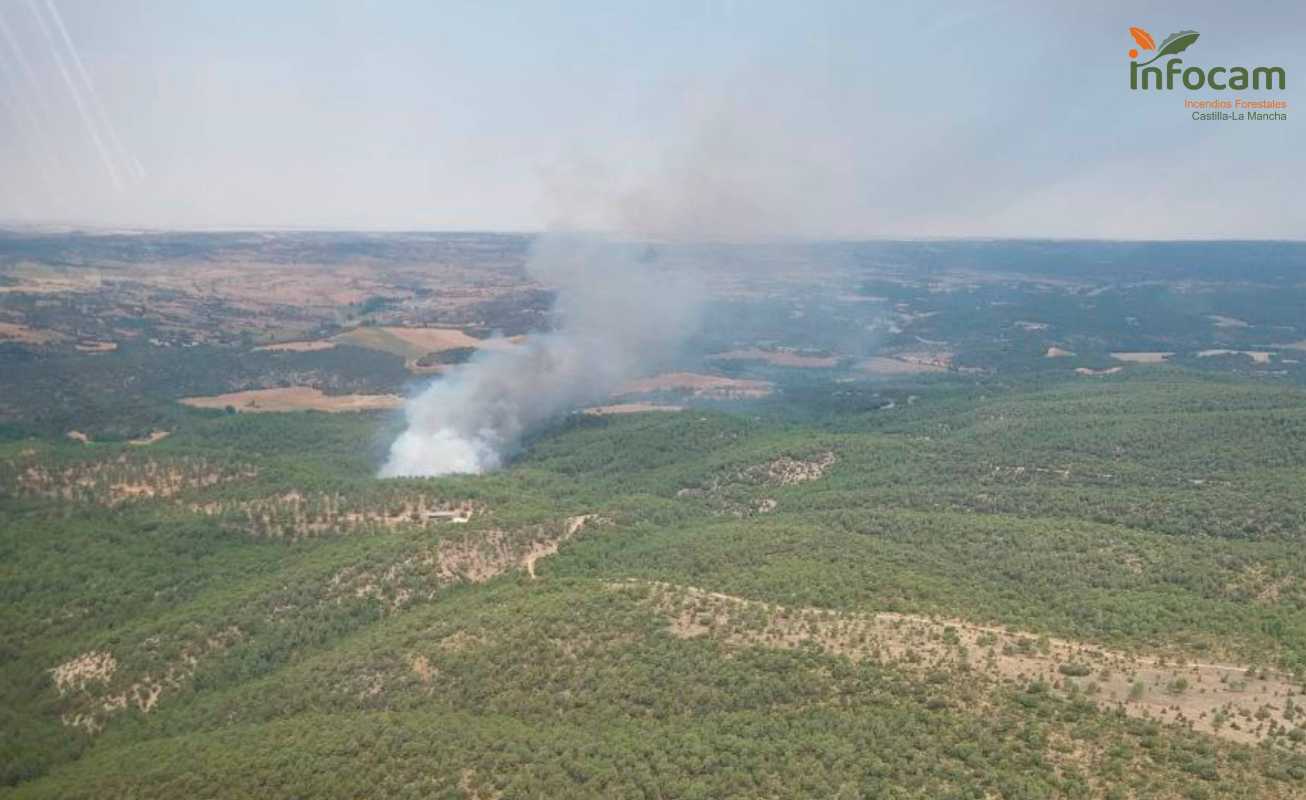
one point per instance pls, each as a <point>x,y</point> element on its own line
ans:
<point>734,173</point>
<point>738,170</point>
<point>618,314</point>
<point>752,157</point>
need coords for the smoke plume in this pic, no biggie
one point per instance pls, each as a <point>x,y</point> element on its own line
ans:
<point>739,175</point>
<point>618,313</point>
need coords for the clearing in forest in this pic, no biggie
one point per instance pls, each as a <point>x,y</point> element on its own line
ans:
<point>295,398</point>
<point>780,357</point>
<point>417,342</point>
<point>298,347</point>
<point>1257,356</point>
<point>714,387</point>
<point>630,408</point>
<point>1142,357</point>
<point>11,331</point>
<point>907,363</point>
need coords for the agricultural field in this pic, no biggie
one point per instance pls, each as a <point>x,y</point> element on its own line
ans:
<point>902,520</point>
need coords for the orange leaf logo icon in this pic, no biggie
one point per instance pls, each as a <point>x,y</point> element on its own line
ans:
<point>1143,38</point>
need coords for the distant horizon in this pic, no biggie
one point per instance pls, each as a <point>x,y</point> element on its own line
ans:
<point>63,228</point>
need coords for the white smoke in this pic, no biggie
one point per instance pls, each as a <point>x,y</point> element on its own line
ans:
<point>618,314</point>
<point>740,175</point>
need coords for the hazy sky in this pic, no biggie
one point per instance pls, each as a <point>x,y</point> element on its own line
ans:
<point>713,118</point>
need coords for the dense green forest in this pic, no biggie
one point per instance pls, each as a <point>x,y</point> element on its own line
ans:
<point>995,520</point>
<point>267,619</point>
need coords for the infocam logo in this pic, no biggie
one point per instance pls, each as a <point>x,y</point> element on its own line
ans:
<point>1145,76</point>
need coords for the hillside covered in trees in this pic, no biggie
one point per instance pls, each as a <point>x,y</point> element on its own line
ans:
<point>897,521</point>
<point>1016,592</point>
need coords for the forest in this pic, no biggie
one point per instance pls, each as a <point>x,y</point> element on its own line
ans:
<point>993,521</point>
<point>259,612</point>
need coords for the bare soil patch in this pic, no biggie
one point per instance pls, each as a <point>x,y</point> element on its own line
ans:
<point>780,357</point>
<point>905,364</point>
<point>413,344</point>
<point>74,675</point>
<point>1105,371</point>
<point>1230,701</point>
<point>417,342</point>
<point>548,547</point>
<point>715,387</point>
<point>110,483</point>
<point>422,668</point>
<point>467,784</point>
<point>1257,356</point>
<point>295,398</point>
<point>39,281</point>
<point>1222,321</point>
<point>1261,583</point>
<point>298,347</point>
<point>13,332</point>
<point>479,558</point>
<point>1057,352</point>
<point>1142,357</point>
<point>474,557</point>
<point>154,436</point>
<point>295,516</point>
<point>631,408</point>
<point>433,340</point>
<point>92,688</point>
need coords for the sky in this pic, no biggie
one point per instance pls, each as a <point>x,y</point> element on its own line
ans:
<point>716,120</point>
